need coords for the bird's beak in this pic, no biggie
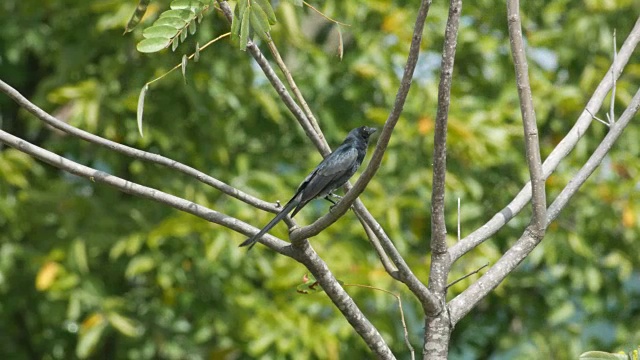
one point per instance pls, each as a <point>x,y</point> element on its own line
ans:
<point>370,130</point>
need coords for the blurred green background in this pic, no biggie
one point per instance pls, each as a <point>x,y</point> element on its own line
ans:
<point>87,271</point>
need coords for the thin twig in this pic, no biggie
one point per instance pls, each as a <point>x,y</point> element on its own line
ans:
<point>323,15</point>
<point>598,119</point>
<point>596,158</point>
<point>404,323</point>
<point>189,57</point>
<point>296,92</point>
<point>469,274</point>
<point>305,254</point>
<point>384,258</point>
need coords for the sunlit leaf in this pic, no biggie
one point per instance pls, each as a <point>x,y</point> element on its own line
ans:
<point>265,5</point>
<point>186,4</point>
<point>140,265</point>
<point>186,15</point>
<point>124,325</point>
<point>47,275</point>
<point>80,255</point>
<point>153,45</point>
<point>143,93</point>
<point>173,21</point>
<point>260,23</point>
<point>196,54</point>
<point>183,66</point>
<point>162,31</point>
<point>244,28</point>
<point>90,335</point>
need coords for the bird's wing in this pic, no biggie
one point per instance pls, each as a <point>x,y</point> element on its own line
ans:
<point>332,173</point>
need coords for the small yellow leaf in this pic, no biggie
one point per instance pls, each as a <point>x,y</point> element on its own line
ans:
<point>47,275</point>
<point>92,321</point>
<point>628,216</point>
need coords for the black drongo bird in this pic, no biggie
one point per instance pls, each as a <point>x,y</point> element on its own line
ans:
<point>333,172</point>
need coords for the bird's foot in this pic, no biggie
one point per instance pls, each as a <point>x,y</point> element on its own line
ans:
<point>330,200</point>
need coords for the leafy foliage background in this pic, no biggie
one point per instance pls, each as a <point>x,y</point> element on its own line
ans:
<point>87,270</point>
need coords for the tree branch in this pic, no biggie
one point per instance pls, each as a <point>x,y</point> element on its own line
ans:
<point>383,141</point>
<point>594,161</point>
<point>437,324</point>
<point>532,144</point>
<point>438,226</point>
<point>427,299</point>
<point>558,154</point>
<point>309,258</point>
<point>316,137</point>
<point>133,152</point>
<point>463,303</point>
<point>132,188</point>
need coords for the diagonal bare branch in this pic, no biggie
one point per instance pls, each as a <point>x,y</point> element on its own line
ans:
<point>132,188</point>
<point>316,137</point>
<point>309,258</point>
<point>464,302</point>
<point>596,158</point>
<point>133,152</point>
<point>563,148</point>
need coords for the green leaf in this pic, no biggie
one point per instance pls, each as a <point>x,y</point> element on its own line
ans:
<point>183,66</point>
<point>235,26</point>
<point>244,28</point>
<point>265,5</point>
<point>153,45</point>
<point>80,256</point>
<point>173,21</point>
<point>186,15</point>
<point>260,23</point>
<point>192,27</point>
<point>143,93</point>
<point>124,325</point>
<point>89,339</point>
<point>141,9</point>
<point>161,31</point>
<point>296,2</point>
<point>140,265</point>
<point>193,5</point>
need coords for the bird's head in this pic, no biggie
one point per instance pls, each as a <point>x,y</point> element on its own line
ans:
<point>363,132</point>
